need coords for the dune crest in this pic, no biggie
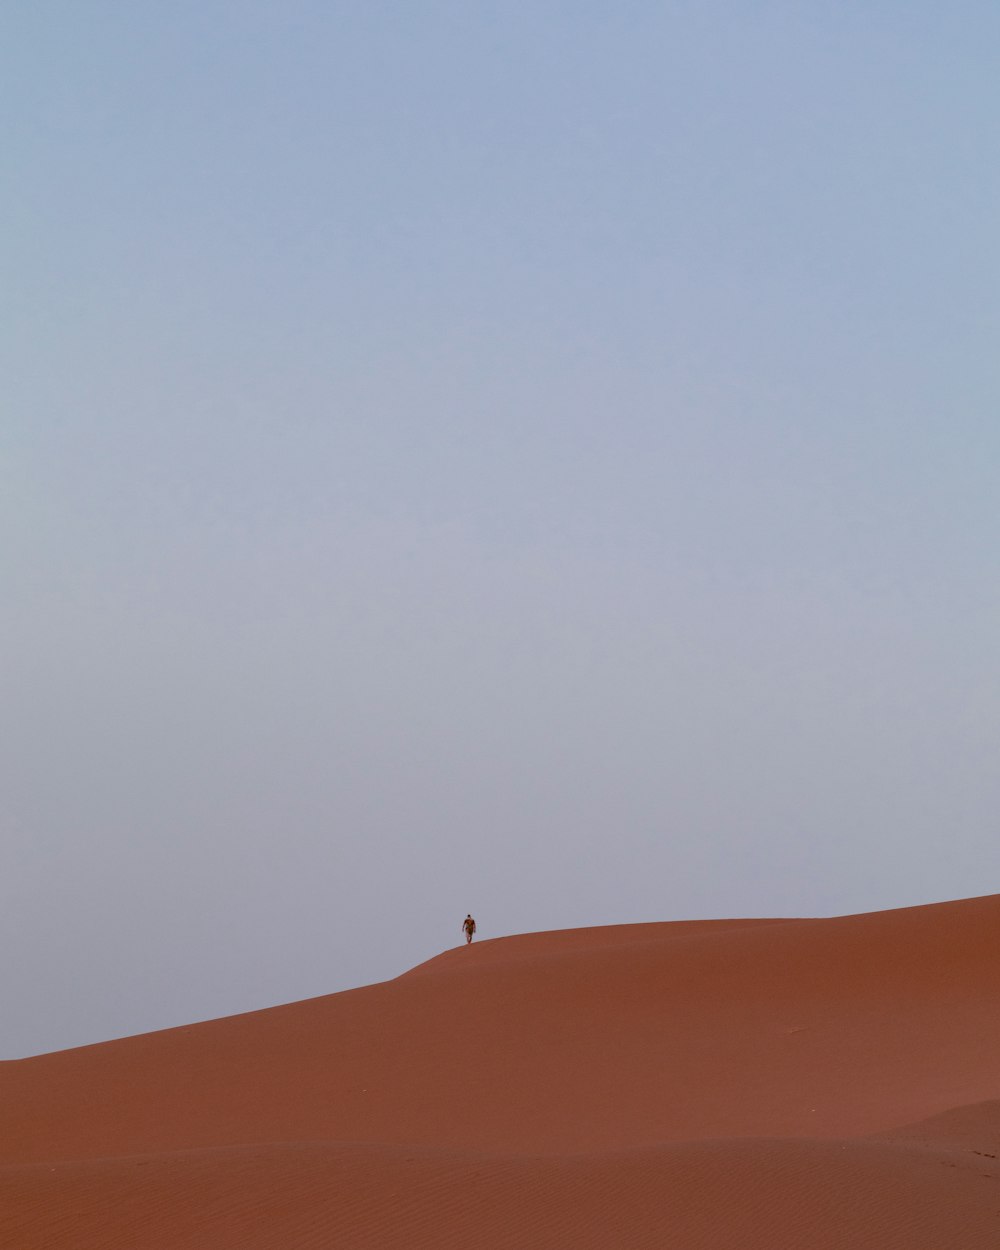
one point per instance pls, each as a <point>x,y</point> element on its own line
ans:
<point>823,1082</point>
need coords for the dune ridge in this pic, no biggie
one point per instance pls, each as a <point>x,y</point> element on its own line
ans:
<point>771,1083</point>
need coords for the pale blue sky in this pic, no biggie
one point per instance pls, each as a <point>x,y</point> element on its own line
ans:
<point>536,459</point>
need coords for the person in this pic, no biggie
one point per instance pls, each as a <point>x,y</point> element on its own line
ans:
<point>468,928</point>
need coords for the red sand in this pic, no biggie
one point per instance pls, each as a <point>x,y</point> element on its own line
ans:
<point>768,1084</point>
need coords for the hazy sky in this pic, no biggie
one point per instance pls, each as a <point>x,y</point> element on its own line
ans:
<point>537,458</point>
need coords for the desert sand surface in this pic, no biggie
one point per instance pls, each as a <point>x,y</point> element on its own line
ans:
<point>768,1084</point>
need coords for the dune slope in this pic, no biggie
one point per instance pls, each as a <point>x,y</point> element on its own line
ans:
<point>777,1083</point>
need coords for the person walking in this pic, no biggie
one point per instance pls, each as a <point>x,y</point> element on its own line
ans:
<point>468,928</point>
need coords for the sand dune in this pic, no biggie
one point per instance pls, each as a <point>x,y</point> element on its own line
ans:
<point>766,1083</point>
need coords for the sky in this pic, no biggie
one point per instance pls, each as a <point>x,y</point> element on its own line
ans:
<point>537,459</point>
